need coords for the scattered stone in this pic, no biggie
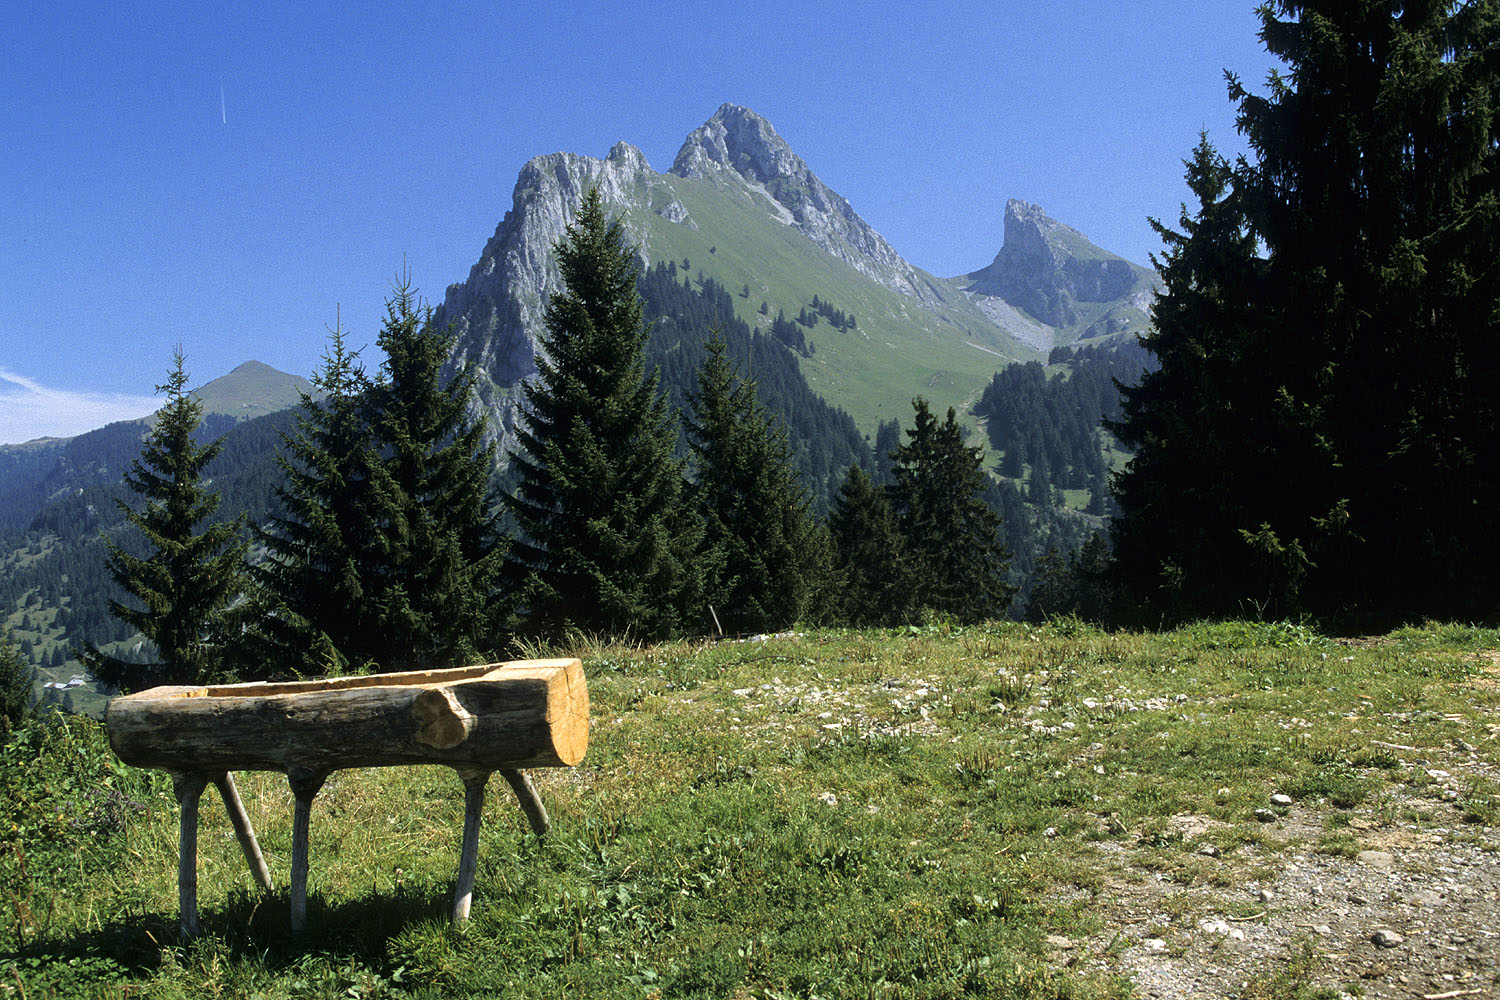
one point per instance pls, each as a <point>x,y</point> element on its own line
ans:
<point>828,798</point>
<point>1214,927</point>
<point>1281,799</point>
<point>1265,816</point>
<point>1375,859</point>
<point>1059,942</point>
<point>1050,832</point>
<point>1154,945</point>
<point>1209,851</point>
<point>1323,930</point>
<point>1358,900</point>
<point>1385,938</point>
<point>1265,895</point>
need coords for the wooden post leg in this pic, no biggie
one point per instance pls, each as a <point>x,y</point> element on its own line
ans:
<point>188,788</point>
<point>468,859</point>
<point>532,806</point>
<point>224,782</point>
<point>305,784</point>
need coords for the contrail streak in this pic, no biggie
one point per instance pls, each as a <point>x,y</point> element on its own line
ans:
<point>223,118</point>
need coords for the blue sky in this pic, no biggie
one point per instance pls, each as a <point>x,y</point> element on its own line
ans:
<point>231,177</point>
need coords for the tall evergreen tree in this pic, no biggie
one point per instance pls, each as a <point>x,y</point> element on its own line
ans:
<point>870,581</point>
<point>764,546</point>
<point>319,610</point>
<point>187,586</point>
<point>1194,420</point>
<point>1362,328</point>
<point>436,579</point>
<point>607,540</point>
<point>959,565</point>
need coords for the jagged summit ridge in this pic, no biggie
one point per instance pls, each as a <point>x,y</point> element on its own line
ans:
<point>1051,271</point>
<point>497,312</point>
<point>738,138</point>
<point>740,141</point>
<point>752,215</point>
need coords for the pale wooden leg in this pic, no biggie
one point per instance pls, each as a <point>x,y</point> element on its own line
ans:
<point>468,859</point>
<point>242,829</point>
<point>532,806</point>
<point>189,789</point>
<point>305,784</point>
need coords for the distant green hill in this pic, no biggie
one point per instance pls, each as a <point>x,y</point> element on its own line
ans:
<point>59,496</point>
<point>252,390</point>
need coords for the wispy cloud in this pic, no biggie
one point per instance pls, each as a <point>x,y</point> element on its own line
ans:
<point>31,410</point>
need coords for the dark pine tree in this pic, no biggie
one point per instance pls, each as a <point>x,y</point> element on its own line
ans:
<point>440,557</point>
<point>764,551</point>
<point>187,587</point>
<point>607,539</point>
<point>316,586</point>
<point>870,582</point>
<point>1361,324</point>
<point>1194,422</point>
<point>959,566</point>
<point>15,688</point>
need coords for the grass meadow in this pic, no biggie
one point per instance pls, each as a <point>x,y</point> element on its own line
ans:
<point>909,813</point>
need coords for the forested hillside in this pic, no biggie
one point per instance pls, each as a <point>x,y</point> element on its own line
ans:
<point>58,500</point>
<point>1047,430</point>
<point>824,439</point>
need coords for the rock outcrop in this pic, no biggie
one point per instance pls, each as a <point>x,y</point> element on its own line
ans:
<point>737,140</point>
<point>1050,270</point>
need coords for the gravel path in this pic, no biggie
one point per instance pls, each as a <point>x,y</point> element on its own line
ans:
<point>1415,912</point>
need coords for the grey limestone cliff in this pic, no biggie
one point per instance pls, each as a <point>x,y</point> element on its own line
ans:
<point>1054,275</point>
<point>739,141</point>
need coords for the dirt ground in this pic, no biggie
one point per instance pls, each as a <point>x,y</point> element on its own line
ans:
<point>1410,909</point>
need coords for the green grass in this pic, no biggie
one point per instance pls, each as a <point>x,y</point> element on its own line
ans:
<point>891,813</point>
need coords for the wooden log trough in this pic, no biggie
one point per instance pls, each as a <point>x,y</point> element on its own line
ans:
<point>477,720</point>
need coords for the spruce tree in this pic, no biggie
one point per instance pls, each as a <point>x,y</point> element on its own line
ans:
<point>1360,335</point>
<point>870,581</point>
<point>188,586</point>
<point>1193,422</point>
<point>607,541</point>
<point>762,543</point>
<point>318,613</point>
<point>958,564</point>
<point>438,557</point>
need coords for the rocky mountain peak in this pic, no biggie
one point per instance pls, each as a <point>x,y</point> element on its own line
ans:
<point>1029,235</point>
<point>737,138</point>
<point>738,144</point>
<point>1049,270</point>
<point>628,158</point>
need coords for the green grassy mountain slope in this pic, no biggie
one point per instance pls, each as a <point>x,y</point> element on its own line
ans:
<point>897,349</point>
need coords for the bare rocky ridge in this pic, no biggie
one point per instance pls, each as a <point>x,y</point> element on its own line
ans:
<point>1049,271</point>
<point>737,139</point>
